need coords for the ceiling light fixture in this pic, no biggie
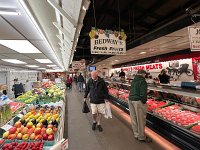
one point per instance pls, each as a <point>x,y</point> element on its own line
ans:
<point>26,8</point>
<point>14,61</point>
<point>61,11</point>
<point>21,46</point>
<point>10,12</point>
<point>44,61</point>
<point>143,52</point>
<point>51,65</point>
<point>116,60</point>
<point>32,66</point>
<point>42,68</point>
<point>84,8</point>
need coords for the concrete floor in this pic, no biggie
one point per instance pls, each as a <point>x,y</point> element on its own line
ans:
<point>116,135</point>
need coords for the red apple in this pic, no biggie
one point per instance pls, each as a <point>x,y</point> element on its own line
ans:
<point>12,136</point>
<point>12,130</point>
<point>50,137</point>
<point>45,136</point>
<point>38,137</point>
<point>37,131</point>
<point>32,136</point>
<point>49,131</point>
<point>18,124</point>
<point>43,130</point>
<point>29,125</point>
<point>50,126</point>
<point>39,125</point>
<point>24,130</point>
<point>31,130</point>
<point>19,136</point>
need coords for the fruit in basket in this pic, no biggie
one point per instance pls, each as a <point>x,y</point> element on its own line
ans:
<point>51,137</point>
<point>49,131</point>
<point>5,135</point>
<point>50,126</point>
<point>18,124</point>
<point>39,125</point>
<point>29,125</point>
<point>11,136</point>
<point>12,130</point>
<point>19,136</point>
<point>45,136</point>
<point>24,130</point>
<point>32,136</point>
<point>38,137</point>
<point>37,131</point>
<point>25,137</point>
<point>31,130</point>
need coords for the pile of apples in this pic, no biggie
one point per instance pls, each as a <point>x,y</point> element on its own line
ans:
<point>178,116</point>
<point>23,146</point>
<point>35,125</point>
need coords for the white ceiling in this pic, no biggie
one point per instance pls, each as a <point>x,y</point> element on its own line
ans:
<point>42,35</point>
<point>172,42</point>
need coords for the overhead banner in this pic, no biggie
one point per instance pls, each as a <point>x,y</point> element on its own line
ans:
<point>194,37</point>
<point>107,42</point>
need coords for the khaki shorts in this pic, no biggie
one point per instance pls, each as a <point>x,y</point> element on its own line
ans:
<point>98,108</point>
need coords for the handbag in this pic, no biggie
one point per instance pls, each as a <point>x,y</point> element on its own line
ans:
<point>85,108</point>
<point>108,113</point>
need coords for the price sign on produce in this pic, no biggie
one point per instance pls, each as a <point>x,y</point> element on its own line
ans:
<point>194,37</point>
<point>107,42</point>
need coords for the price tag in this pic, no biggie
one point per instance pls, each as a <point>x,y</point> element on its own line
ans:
<point>6,127</point>
<point>20,115</point>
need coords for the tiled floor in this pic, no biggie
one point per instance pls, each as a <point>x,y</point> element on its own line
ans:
<point>116,135</point>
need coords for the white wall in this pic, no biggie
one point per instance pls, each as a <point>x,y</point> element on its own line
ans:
<point>3,77</point>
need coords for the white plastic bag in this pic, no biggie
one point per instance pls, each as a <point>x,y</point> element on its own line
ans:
<point>108,113</point>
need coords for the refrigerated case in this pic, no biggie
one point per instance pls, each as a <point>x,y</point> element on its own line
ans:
<point>173,112</point>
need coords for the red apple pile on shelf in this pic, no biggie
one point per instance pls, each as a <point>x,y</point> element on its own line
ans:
<point>23,146</point>
<point>176,115</point>
<point>124,96</point>
<point>153,104</point>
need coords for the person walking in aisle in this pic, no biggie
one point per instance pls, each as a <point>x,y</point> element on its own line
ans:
<point>17,88</point>
<point>98,92</point>
<point>69,82</point>
<point>138,106</point>
<point>80,80</point>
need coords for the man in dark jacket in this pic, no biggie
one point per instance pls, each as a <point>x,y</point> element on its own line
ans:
<point>80,80</point>
<point>17,88</point>
<point>138,106</point>
<point>98,91</point>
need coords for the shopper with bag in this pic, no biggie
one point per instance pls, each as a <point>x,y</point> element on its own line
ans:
<point>98,93</point>
<point>138,106</point>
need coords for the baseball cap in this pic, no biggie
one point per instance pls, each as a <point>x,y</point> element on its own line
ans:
<point>141,71</point>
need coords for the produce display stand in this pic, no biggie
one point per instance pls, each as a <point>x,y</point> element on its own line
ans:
<point>187,99</point>
<point>55,102</point>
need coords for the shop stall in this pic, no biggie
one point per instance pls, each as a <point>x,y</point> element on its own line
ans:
<point>173,112</point>
<point>34,120</point>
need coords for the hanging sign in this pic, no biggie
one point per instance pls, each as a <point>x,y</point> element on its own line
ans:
<point>194,37</point>
<point>80,65</point>
<point>107,42</point>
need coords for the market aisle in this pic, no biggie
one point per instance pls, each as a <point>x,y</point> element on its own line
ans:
<point>116,135</point>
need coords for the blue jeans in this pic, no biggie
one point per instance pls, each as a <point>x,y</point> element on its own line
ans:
<point>80,86</point>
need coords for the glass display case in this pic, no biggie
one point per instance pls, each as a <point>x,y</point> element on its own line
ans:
<point>173,112</point>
